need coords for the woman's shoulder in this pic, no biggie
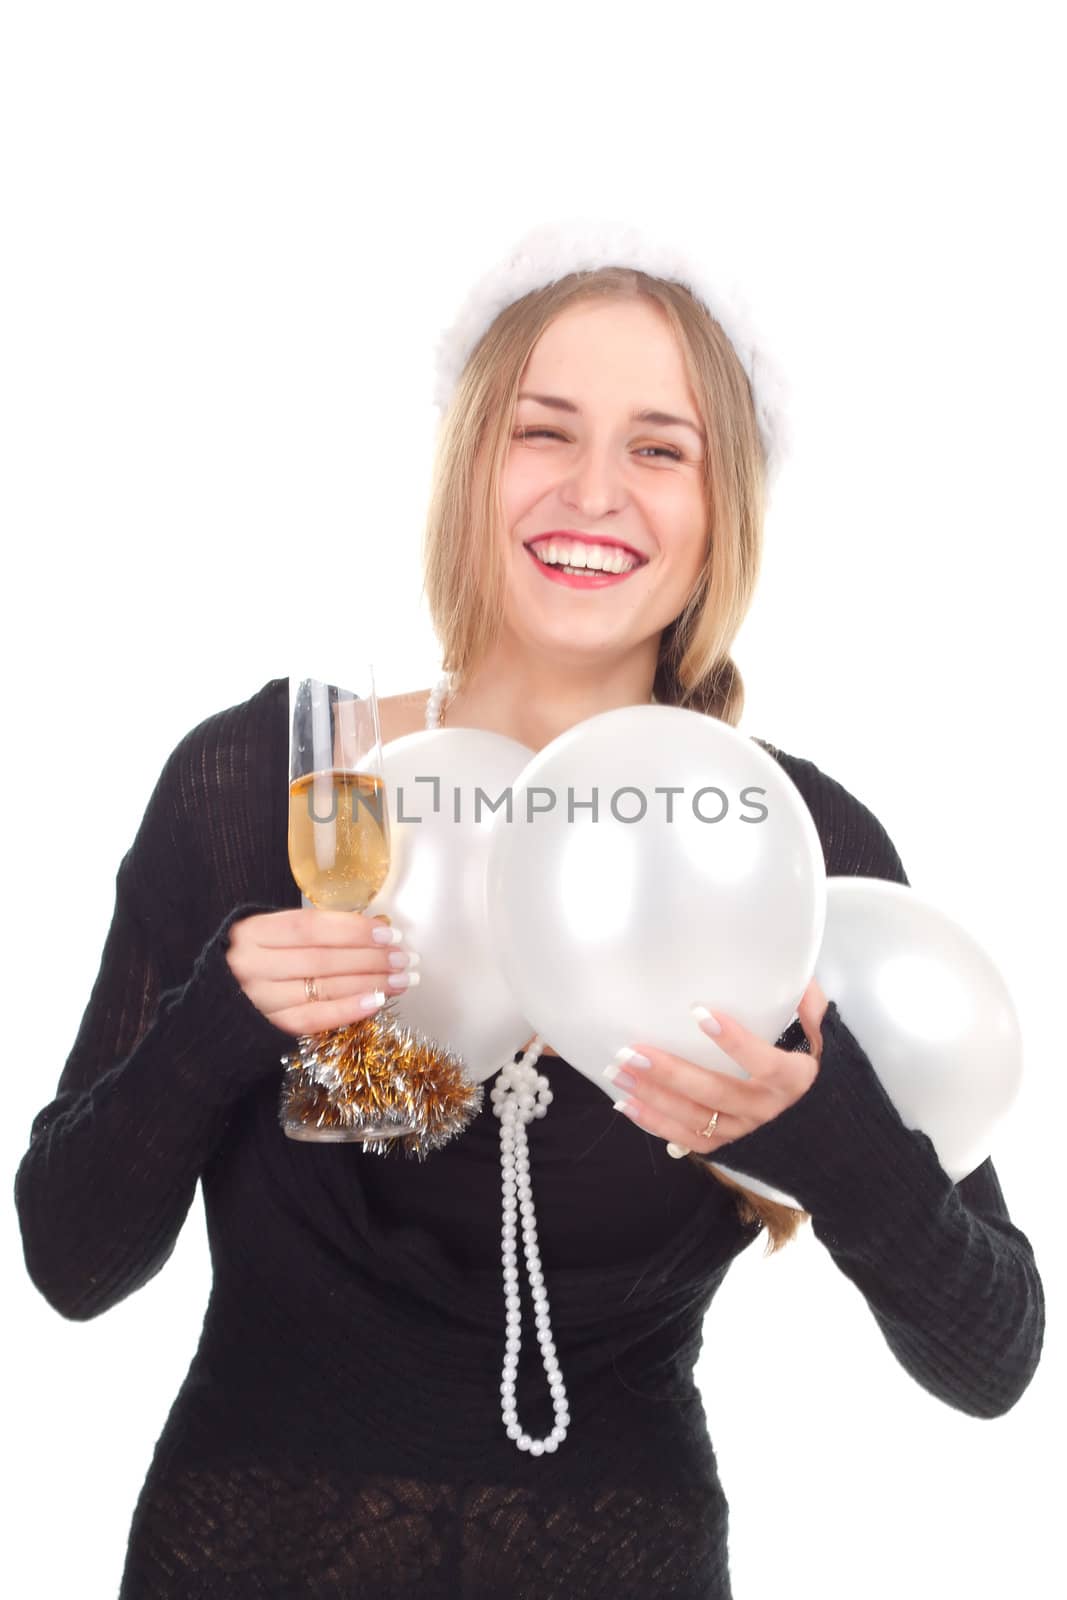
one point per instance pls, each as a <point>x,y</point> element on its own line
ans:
<point>230,748</point>
<point>249,718</point>
<point>217,786</point>
<point>247,744</point>
<point>254,733</point>
<point>208,838</point>
<point>855,843</point>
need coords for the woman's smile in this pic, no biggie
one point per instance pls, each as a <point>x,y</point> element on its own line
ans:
<point>583,561</point>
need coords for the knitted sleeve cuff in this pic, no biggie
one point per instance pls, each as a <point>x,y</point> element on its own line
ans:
<point>842,1150</point>
<point>216,1043</point>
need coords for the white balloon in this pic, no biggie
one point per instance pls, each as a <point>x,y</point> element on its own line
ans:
<point>930,1011</point>
<point>609,930</point>
<point>435,890</point>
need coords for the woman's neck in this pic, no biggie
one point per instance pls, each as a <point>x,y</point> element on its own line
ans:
<point>536,705</point>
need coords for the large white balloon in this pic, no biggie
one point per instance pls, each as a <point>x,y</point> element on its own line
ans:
<point>609,929</point>
<point>610,926</point>
<point>436,889</point>
<point>930,1011</point>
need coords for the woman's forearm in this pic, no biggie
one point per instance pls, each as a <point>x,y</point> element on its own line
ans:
<point>951,1281</point>
<point>957,1294</point>
<point>112,1167</point>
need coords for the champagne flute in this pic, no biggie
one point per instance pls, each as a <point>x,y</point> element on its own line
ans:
<point>339,851</point>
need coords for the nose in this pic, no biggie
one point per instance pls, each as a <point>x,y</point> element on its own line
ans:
<point>593,486</point>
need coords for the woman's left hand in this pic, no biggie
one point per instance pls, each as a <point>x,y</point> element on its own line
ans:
<point>675,1099</point>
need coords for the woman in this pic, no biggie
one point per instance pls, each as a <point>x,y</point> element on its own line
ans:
<point>339,1432</point>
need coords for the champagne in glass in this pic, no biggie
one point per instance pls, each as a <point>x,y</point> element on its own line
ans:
<point>339,857</point>
<point>338,838</point>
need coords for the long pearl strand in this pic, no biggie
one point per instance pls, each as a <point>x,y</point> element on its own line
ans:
<point>519,1094</point>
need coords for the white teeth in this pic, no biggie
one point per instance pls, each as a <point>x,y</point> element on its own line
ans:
<point>596,558</point>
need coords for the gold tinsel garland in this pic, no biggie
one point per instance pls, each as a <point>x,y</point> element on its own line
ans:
<point>377,1074</point>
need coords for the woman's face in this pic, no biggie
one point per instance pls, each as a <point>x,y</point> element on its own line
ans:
<point>583,464</point>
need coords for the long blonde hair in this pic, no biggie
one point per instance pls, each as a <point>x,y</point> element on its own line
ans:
<point>463,552</point>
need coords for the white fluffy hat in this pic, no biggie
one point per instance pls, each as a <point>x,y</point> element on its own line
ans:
<point>581,244</point>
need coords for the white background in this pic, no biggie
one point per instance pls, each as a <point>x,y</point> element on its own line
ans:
<point>233,233</point>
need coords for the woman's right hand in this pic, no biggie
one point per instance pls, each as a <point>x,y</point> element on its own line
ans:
<point>271,954</point>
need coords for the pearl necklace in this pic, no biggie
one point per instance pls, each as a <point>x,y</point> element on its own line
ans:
<point>519,1094</point>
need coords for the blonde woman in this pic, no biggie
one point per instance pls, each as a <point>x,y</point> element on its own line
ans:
<point>343,1429</point>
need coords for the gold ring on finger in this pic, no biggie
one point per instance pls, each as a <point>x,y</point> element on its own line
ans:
<point>706,1133</point>
<point>310,990</point>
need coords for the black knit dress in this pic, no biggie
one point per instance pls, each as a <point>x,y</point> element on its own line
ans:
<point>339,1433</point>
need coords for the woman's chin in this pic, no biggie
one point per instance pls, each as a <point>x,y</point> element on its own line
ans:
<point>577,646</point>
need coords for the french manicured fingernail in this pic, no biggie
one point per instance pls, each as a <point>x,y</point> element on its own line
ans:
<point>386,935</point>
<point>618,1075</point>
<point>632,1057</point>
<point>705,1018</point>
<point>625,1106</point>
<point>403,980</point>
<point>403,958</point>
<point>371,1002</point>
<point>677,1151</point>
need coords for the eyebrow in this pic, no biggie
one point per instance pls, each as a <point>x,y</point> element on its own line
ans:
<point>662,419</point>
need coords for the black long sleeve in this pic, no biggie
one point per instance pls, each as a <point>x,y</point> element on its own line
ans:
<point>339,1428</point>
<point>167,1043</point>
<point>950,1280</point>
